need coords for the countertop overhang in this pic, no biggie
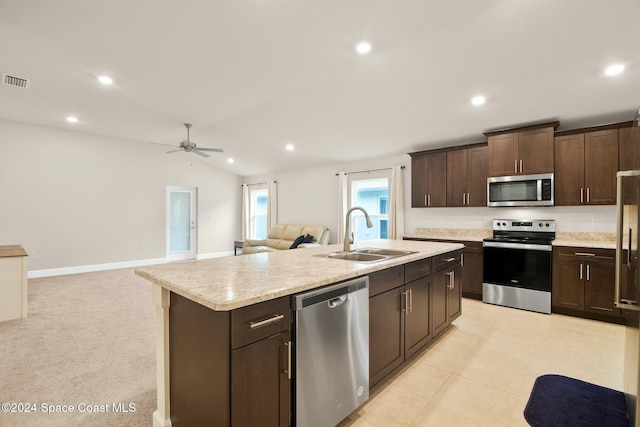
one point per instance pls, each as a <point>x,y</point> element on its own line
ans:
<point>227,283</point>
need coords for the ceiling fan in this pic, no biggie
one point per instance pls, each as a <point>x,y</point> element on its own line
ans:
<point>190,147</point>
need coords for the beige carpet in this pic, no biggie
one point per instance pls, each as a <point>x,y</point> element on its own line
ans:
<point>88,343</point>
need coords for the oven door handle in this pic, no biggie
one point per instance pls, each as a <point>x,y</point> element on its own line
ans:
<point>526,246</point>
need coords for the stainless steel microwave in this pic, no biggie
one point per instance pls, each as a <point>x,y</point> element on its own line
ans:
<point>520,190</point>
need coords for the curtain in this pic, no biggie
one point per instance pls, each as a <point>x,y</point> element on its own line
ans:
<point>246,205</point>
<point>343,205</point>
<point>396,203</point>
<point>272,207</point>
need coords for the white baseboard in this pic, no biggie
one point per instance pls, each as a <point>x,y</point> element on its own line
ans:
<point>35,274</point>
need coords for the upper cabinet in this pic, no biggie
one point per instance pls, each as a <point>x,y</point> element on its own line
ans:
<point>628,157</point>
<point>521,151</point>
<point>429,179</point>
<point>467,176</point>
<point>586,166</point>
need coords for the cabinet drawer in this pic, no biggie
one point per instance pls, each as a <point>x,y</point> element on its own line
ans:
<point>447,260</point>
<point>384,280</point>
<point>585,254</point>
<point>417,269</point>
<point>258,321</point>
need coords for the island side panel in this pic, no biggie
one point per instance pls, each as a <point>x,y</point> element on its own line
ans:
<point>199,364</point>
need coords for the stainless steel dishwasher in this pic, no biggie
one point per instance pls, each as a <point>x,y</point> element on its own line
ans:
<point>331,353</point>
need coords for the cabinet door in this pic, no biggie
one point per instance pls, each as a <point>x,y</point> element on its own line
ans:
<point>454,294</point>
<point>600,166</point>
<point>386,333</point>
<point>437,179</point>
<point>568,285</point>
<point>503,154</point>
<point>599,286</point>
<point>419,181</point>
<point>457,178</point>
<point>440,283</point>
<point>569,170</point>
<point>472,270</point>
<point>260,388</point>
<point>417,316</point>
<point>477,172</point>
<point>535,151</point>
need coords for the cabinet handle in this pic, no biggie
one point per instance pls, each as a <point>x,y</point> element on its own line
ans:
<point>449,259</point>
<point>468,200</point>
<point>584,254</point>
<point>580,271</point>
<point>451,275</point>
<point>425,200</point>
<point>265,322</point>
<point>515,166</point>
<point>588,196</point>
<point>581,195</point>
<point>428,199</point>
<point>521,166</point>
<point>288,370</point>
<point>462,260</point>
<point>410,300</point>
<point>406,301</point>
<point>464,199</point>
<point>588,271</point>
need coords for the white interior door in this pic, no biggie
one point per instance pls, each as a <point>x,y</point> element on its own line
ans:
<point>181,223</point>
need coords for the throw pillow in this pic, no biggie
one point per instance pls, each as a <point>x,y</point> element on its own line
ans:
<point>296,242</point>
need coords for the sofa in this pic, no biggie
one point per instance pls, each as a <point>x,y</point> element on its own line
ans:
<point>283,236</point>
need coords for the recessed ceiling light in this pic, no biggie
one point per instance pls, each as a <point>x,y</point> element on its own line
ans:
<point>105,80</point>
<point>230,160</point>
<point>72,119</point>
<point>290,147</point>
<point>478,100</point>
<point>363,48</point>
<point>614,70</point>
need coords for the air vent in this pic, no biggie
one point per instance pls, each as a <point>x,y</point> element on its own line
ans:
<point>15,81</point>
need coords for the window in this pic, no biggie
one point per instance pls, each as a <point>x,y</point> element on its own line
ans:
<point>258,213</point>
<point>372,194</point>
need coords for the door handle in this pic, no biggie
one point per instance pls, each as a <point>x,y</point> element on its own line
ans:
<point>337,301</point>
<point>629,249</point>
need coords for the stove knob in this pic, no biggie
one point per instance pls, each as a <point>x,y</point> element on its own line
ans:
<point>547,224</point>
<point>539,224</point>
<point>504,224</point>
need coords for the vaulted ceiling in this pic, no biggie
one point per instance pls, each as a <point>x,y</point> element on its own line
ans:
<point>255,75</point>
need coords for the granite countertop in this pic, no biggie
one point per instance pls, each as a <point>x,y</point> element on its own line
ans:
<point>228,283</point>
<point>577,239</point>
<point>7,251</point>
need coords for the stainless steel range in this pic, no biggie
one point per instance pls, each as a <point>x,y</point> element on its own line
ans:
<point>517,264</point>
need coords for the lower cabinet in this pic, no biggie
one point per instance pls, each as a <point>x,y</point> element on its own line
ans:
<point>225,370</point>
<point>408,307</point>
<point>583,282</point>
<point>472,270</point>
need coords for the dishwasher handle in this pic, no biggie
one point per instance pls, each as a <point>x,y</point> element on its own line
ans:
<point>335,302</point>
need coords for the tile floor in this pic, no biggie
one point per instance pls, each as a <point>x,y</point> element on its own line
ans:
<point>480,372</point>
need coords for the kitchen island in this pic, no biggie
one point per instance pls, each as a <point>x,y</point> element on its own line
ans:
<point>223,325</point>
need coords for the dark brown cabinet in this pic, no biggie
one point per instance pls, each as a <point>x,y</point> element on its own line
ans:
<point>526,151</point>
<point>447,292</point>
<point>417,314</point>
<point>467,176</point>
<point>472,270</point>
<point>386,333</point>
<point>586,168</point>
<point>428,179</point>
<point>628,157</point>
<point>225,370</point>
<point>583,282</point>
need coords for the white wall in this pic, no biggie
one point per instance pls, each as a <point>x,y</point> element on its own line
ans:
<point>78,199</point>
<point>310,196</point>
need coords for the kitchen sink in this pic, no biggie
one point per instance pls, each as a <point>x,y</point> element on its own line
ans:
<point>370,254</point>
<point>385,252</point>
<point>356,256</point>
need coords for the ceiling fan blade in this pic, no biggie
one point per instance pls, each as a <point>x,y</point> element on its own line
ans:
<point>159,143</point>
<point>199,153</point>
<point>217,150</point>
<point>174,151</point>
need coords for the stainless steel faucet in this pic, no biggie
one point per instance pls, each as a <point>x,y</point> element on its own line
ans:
<point>349,240</point>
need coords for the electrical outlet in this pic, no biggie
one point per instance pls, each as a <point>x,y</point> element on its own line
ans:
<point>594,222</point>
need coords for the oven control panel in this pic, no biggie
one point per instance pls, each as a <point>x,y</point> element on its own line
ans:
<point>538,225</point>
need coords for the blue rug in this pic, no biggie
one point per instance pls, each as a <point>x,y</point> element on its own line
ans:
<point>562,401</point>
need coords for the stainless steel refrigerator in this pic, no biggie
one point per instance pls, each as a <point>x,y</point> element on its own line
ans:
<point>627,290</point>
